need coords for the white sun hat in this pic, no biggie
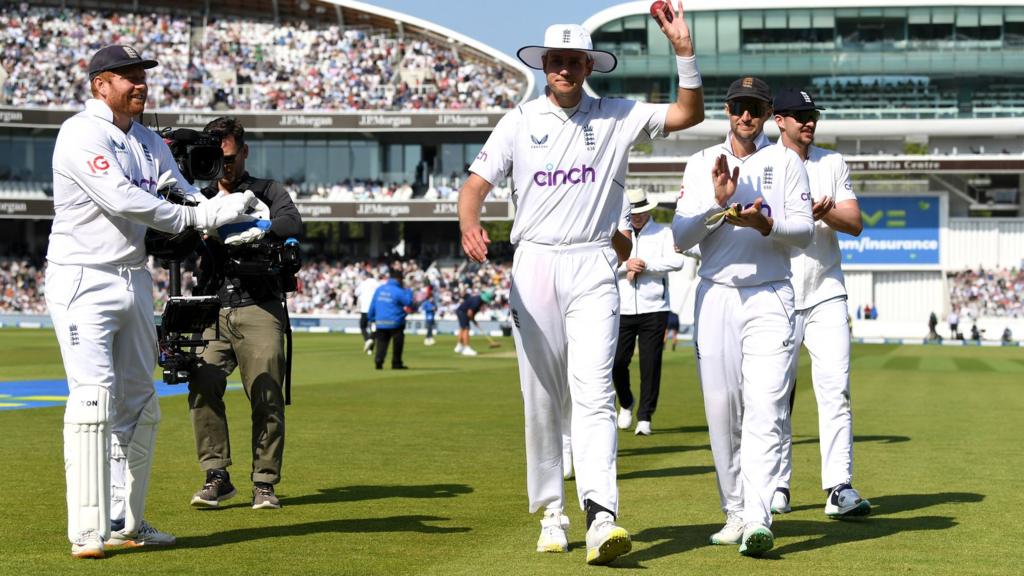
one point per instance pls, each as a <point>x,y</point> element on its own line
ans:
<point>638,201</point>
<point>567,37</point>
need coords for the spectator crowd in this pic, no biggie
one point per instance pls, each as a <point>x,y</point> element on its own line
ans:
<point>988,293</point>
<point>329,287</point>
<point>245,64</point>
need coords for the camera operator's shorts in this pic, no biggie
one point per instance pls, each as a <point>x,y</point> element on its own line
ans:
<point>463,319</point>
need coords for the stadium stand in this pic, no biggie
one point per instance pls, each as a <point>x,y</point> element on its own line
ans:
<point>234,63</point>
<point>328,286</point>
<point>21,286</point>
<point>988,293</point>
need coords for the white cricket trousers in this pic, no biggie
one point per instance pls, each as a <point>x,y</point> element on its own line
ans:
<point>103,318</point>
<point>825,330</point>
<point>744,341</point>
<point>565,311</point>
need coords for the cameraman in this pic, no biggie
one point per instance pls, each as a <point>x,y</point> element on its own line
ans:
<point>253,322</point>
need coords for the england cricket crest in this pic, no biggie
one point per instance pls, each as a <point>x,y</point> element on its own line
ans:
<point>766,180</point>
<point>589,140</point>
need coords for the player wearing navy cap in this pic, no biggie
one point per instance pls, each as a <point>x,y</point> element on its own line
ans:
<point>108,171</point>
<point>566,152</point>
<point>746,203</point>
<point>821,311</point>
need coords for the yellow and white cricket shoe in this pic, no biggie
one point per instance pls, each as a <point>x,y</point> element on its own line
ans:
<point>553,529</point>
<point>605,540</point>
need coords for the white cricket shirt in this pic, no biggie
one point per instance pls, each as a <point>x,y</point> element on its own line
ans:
<point>104,190</point>
<point>817,271</point>
<point>364,293</point>
<point>736,256</point>
<point>568,172</point>
<point>649,291</point>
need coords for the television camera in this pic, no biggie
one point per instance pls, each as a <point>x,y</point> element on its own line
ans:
<point>183,320</point>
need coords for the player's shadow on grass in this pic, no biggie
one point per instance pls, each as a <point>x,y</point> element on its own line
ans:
<point>654,450</point>
<point>667,472</point>
<point>683,430</point>
<point>669,540</point>
<point>359,493</point>
<point>882,438</point>
<point>885,505</point>
<point>412,523</point>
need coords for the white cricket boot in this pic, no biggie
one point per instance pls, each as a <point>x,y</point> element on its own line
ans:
<point>731,533</point>
<point>757,539</point>
<point>467,351</point>
<point>88,544</point>
<point>459,348</point>
<point>844,502</point>
<point>780,501</point>
<point>146,535</point>
<point>625,419</point>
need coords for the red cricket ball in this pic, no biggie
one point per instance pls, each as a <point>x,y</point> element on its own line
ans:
<point>665,9</point>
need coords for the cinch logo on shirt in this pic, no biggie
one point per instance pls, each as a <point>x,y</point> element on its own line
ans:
<point>765,208</point>
<point>573,175</point>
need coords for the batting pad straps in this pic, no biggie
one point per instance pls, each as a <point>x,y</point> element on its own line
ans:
<point>87,460</point>
<point>689,75</point>
<point>140,462</point>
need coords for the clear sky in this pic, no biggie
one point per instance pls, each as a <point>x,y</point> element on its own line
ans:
<point>506,24</point>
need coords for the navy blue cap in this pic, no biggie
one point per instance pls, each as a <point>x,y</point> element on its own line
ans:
<point>749,87</point>
<point>793,100</point>
<point>114,57</point>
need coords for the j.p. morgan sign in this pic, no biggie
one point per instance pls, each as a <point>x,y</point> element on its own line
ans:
<point>390,210</point>
<point>476,121</point>
<point>315,211</point>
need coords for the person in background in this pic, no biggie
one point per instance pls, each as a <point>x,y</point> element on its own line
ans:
<point>429,308</point>
<point>644,310</point>
<point>364,293</point>
<point>391,303</point>
<point>466,313</point>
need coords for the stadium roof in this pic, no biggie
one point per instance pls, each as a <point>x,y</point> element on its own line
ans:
<point>642,7</point>
<point>865,128</point>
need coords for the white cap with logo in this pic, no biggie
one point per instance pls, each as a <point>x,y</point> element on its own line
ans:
<point>567,37</point>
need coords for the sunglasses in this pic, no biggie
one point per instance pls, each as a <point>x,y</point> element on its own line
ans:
<point>804,116</point>
<point>230,158</point>
<point>755,108</point>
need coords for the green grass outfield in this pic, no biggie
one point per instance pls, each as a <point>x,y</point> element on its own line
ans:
<point>422,472</point>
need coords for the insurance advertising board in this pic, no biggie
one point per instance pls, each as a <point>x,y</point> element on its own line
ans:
<point>899,231</point>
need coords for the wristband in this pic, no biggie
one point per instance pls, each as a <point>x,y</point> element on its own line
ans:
<point>689,75</point>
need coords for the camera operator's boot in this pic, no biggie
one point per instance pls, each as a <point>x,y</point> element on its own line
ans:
<point>263,496</point>
<point>217,489</point>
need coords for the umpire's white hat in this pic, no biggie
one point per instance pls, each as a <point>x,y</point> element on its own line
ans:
<point>567,37</point>
<point>638,201</point>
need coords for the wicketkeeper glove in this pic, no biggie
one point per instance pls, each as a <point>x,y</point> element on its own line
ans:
<point>243,232</point>
<point>166,183</point>
<point>220,210</point>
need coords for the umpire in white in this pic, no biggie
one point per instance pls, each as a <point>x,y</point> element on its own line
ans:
<point>107,173</point>
<point>644,309</point>
<point>821,322</point>
<point>566,153</point>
